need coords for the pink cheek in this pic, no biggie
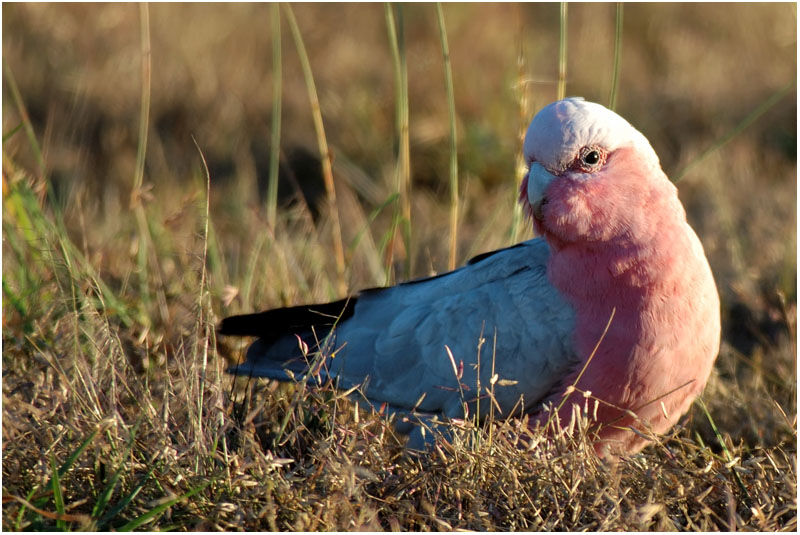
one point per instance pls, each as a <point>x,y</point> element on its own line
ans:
<point>569,211</point>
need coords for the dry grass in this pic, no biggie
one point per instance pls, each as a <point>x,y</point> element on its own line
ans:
<point>116,411</point>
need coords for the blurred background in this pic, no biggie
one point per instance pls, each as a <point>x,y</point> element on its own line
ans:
<point>690,75</point>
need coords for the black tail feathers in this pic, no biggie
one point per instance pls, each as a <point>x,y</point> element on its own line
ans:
<point>272,324</point>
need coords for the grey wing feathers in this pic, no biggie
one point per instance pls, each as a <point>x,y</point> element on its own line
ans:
<point>397,336</point>
<point>392,340</point>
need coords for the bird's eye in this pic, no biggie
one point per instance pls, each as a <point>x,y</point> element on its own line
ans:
<point>591,158</point>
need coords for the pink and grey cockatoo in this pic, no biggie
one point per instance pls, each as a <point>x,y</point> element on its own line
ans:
<point>618,279</point>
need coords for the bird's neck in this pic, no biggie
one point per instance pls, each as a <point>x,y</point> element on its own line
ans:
<point>628,276</point>
<point>621,270</point>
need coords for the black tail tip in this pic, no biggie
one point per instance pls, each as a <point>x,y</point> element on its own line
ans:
<point>234,326</point>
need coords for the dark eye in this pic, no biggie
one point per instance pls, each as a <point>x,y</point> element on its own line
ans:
<point>591,158</point>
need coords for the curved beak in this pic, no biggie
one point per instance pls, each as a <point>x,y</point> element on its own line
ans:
<point>539,179</point>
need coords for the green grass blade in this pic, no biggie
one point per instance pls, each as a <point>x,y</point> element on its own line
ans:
<point>105,496</point>
<point>123,503</point>
<point>374,214</point>
<point>248,280</point>
<point>26,120</point>
<point>153,513</point>
<point>451,108</point>
<point>144,110</point>
<point>216,259</point>
<point>562,52</point>
<point>15,301</point>
<point>203,339</point>
<point>25,279</point>
<point>145,239</point>
<point>8,135</point>
<point>16,211</point>
<point>394,25</point>
<point>58,497</point>
<point>324,152</point>
<point>37,228</point>
<point>728,456</point>
<point>523,111</point>
<point>612,98</point>
<point>56,477</point>
<point>78,452</point>
<point>275,138</point>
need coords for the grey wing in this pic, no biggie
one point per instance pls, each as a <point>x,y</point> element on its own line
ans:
<point>497,315</point>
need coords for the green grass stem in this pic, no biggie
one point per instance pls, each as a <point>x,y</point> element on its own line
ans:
<point>58,497</point>
<point>523,115</point>
<point>392,199</point>
<point>55,479</point>
<point>451,108</point>
<point>203,306</point>
<point>144,110</point>
<point>325,155</point>
<point>275,138</point>
<point>728,457</point>
<point>402,218</point>
<point>156,511</point>
<point>562,52</point>
<point>127,499</point>
<point>612,97</point>
<point>145,251</point>
<point>26,120</point>
<point>8,135</point>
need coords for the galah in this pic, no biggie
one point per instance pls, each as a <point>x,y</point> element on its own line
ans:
<point>612,311</point>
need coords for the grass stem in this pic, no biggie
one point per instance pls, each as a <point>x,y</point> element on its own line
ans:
<point>403,172</point>
<point>451,106</point>
<point>137,192</point>
<point>324,152</point>
<point>144,111</point>
<point>26,120</point>
<point>204,330</point>
<point>275,139</point>
<point>562,52</point>
<point>523,109</point>
<point>612,98</point>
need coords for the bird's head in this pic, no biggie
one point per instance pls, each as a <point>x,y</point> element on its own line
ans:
<point>591,175</point>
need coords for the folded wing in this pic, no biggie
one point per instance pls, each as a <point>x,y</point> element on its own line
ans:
<point>497,315</point>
